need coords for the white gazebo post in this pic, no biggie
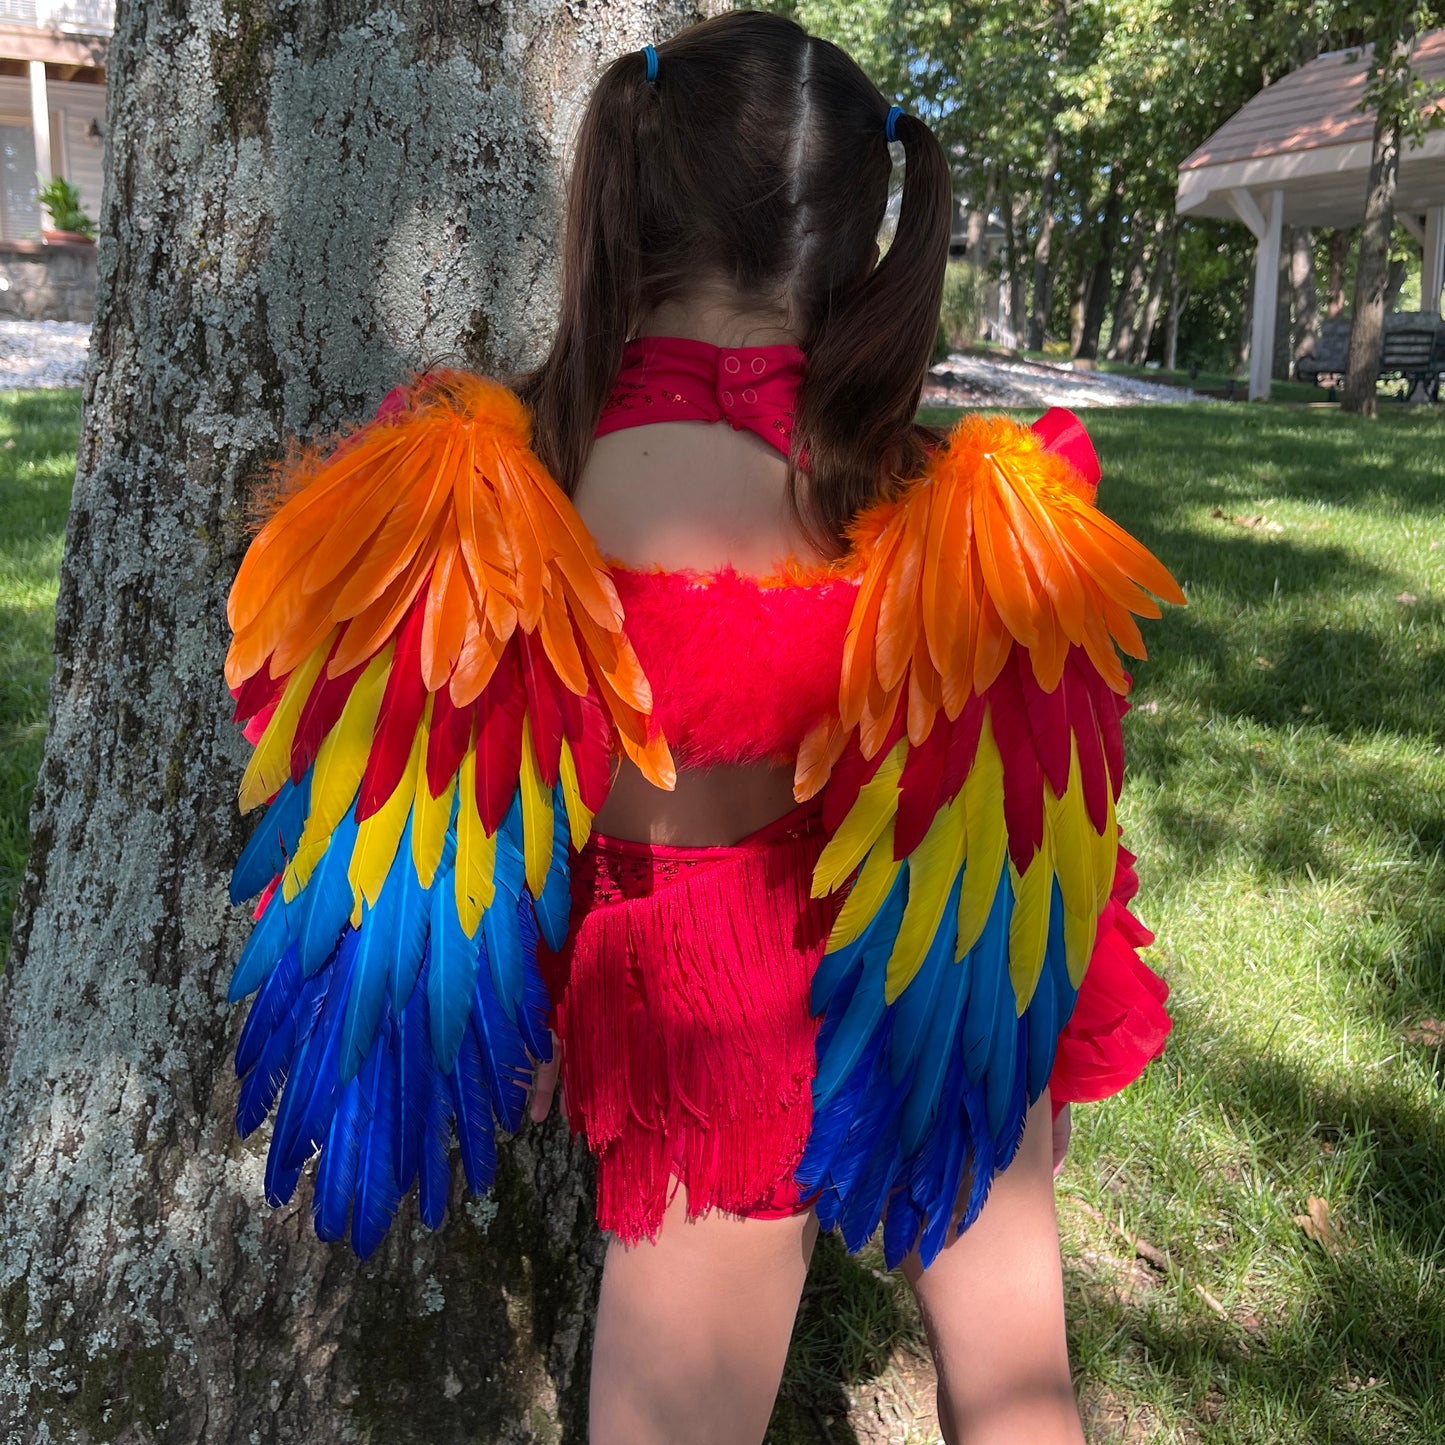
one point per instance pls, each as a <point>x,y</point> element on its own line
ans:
<point>1267,226</point>
<point>1433,279</point>
<point>40,119</point>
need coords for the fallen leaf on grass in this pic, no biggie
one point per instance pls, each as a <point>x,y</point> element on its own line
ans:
<point>1430,1032</point>
<point>1407,599</point>
<point>1263,662</point>
<point>1319,1225</point>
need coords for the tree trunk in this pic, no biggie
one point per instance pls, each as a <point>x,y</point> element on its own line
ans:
<point>303,202</point>
<point>1303,292</point>
<point>1043,270</point>
<point>1009,205</point>
<point>1159,282</point>
<point>980,198</point>
<point>1103,270</point>
<point>1178,299</point>
<point>1131,288</point>
<point>1395,278</point>
<point>1372,266</point>
<point>1283,311</point>
<point>1339,255</point>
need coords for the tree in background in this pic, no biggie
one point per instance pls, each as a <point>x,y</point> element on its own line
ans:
<point>1396,95</point>
<point>302,203</point>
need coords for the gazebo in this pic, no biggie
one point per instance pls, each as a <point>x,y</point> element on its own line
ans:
<point>1298,154</point>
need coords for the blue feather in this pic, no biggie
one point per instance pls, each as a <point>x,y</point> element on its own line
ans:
<point>377,1194</point>
<point>414,1071</point>
<point>435,1163</point>
<point>938,1055</point>
<point>336,1174</point>
<point>504,1058</point>
<point>452,960</point>
<point>501,928</point>
<point>1009,1128</point>
<point>536,1005</point>
<point>324,905</point>
<point>990,993</point>
<point>834,967</point>
<point>274,840</point>
<point>270,938</point>
<point>473,1112</point>
<point>938,1179</point>
<point>367,996</point>
<point>407,909</point>
<point>1004,1071</point>
<point>914,1009</point>
<point>272,1004</point>
<point>554,907</point>
<point>311,1091</point>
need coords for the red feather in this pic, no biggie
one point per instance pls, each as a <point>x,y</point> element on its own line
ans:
<point>1084,724</point>
<point>396,723</point>
<point>963,736</point>
<point>319,715</point>
<point>1023,778</point>
<point>1049,719</point>
<point>451,731</point>
<point>585,724</point>
<point>543,707</point>
<point>499,737</point>
<point>920,788</point>
<point>257,692</point>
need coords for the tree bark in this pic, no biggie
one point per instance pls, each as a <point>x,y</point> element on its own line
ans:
<point>1009,209</point>
<point>303,203</point>
<point>1339,254</point>
<point>1043,270</point>
<point>1178,299</point>
<point>1102,272</point>
<point>1131,288</point>
<point>1160,280</point>
<point>1303,292</point>
<point>1367,321</point>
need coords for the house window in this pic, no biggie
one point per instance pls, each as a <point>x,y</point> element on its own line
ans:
<point>19,210</point>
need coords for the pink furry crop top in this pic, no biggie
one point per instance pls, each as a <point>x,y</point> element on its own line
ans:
<point>741,667</point>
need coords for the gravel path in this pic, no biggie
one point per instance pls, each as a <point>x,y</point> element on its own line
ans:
<point>52,354</point>
<point>975,380</point>
<point>38,354</point>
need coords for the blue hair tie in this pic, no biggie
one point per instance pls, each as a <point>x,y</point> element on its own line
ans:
<point>890,125</point>
<point>650,56</point>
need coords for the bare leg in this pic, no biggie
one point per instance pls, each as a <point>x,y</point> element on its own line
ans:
<point>993,1305</point>
<point>692,1332</point>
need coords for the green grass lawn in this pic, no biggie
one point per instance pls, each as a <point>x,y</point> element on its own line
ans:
<point>1286,794</point>
<point>37,464</point>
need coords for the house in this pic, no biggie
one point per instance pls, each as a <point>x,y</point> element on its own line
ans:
<point>52,123</point>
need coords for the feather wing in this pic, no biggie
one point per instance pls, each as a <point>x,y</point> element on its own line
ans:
<point>433,654</point>
<point>969,785</point>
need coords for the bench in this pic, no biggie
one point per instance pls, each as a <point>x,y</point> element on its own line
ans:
<point>1413,350</point>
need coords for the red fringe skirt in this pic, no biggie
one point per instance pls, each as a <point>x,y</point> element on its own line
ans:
<point>682,1006</point>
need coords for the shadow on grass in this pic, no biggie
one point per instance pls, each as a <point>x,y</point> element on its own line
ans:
<point>849,1324</point>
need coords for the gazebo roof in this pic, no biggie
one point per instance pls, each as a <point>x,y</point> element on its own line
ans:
<point>1306,136</point>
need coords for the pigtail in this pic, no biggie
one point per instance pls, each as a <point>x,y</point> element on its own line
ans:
<point>868,355</point>
<point>600,264</point>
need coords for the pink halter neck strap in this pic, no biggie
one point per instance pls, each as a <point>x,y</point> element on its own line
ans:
<point>670,378</point>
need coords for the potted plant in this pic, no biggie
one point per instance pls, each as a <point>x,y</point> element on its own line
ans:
<point>70,223</point>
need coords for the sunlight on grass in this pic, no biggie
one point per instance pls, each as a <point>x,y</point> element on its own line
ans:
<point>37,465</point>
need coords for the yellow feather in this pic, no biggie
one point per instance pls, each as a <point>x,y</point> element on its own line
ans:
<point>378,836</point>
<point>932,867</point>
<point>340,763</point>
<point>1075,844</point>
<point>270,764</point>
<point>579,816</point>
<point>536,816</point>
<point>874,880</point>
<point>1109,856</point>
<point>875,809</point>
<point>987,840</point>
<point>430,817</point>
<point>1028,935</point>
<point>476,852</point>
<point>1079,931</point>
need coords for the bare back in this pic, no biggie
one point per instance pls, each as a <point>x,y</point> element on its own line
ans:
<point>684,495</point>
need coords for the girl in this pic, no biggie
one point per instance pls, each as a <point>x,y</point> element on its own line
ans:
<point>769,1012</point>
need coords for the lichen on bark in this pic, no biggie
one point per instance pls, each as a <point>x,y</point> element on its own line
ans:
<point>303,203</point>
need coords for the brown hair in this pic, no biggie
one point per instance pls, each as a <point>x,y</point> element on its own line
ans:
<point>758,157</point>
